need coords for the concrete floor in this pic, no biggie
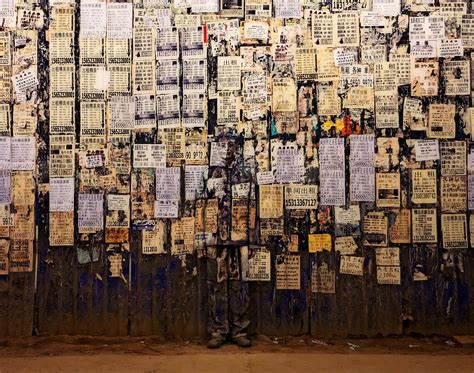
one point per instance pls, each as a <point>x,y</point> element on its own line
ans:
<point>268,354</point>
<point>241,362</point>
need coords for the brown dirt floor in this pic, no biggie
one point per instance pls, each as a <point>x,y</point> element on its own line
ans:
<point>268,354</point>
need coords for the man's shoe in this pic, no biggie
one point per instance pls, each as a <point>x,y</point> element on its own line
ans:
<point>215,342</point>
<point>243,342</point>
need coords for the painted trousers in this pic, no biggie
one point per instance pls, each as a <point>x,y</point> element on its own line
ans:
<point>228,296</point>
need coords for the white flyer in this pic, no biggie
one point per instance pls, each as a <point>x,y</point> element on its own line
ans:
<point>61,194</point>
<point>149,155</point>
<point>332,172</point>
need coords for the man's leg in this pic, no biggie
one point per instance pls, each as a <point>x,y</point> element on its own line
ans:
<point>218,320</point>
<point>239,304</point>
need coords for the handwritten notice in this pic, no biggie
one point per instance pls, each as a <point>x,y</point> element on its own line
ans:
<point>288,272</point>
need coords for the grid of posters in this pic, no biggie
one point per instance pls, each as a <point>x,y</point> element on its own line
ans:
<point>328,129</point>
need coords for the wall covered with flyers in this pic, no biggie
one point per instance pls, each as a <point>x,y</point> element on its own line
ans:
<point>325,143</point>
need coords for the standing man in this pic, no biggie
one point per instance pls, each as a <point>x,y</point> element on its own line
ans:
<point>228,295</point>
